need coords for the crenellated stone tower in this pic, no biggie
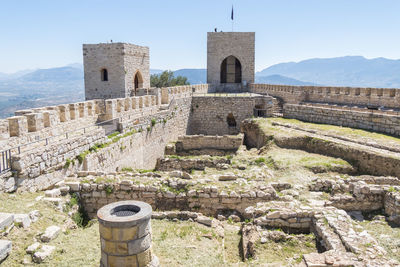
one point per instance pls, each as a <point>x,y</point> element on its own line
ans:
<point>230,60</point>
<point>115,70</point>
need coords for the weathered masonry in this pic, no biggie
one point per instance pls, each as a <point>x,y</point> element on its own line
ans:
<point>230,60</point>
<point>115,70</point>
<point>43,145</point>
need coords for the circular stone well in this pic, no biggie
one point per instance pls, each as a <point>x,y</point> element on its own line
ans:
<point>125,234</point>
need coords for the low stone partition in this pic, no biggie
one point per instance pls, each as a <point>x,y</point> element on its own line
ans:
<point>392,205</point>
<point>206,145</point>
<point>332,227</point>
<point>388,97</point>
<point>368,120</point>
<point>360,196</point>
<point>188,164</point>
<point>207,200</point>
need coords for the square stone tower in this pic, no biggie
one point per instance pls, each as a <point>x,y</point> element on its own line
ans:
<point>230,59</point>
<point>115,70</point>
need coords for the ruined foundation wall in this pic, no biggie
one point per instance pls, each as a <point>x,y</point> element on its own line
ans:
<point>207,200</point>
<point>200,142</point>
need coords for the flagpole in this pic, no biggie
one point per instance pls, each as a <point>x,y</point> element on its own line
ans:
<point>232,17</point>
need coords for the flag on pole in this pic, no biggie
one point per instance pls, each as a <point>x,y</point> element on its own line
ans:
<point>232,13</point>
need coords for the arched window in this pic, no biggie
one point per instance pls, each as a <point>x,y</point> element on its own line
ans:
<point>104,75</point>
<point>231,70</point>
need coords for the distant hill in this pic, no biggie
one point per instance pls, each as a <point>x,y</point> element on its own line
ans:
<point>341,71</point>
<point>195,76</point>
<point>53,86</point>
<point>279,79</point>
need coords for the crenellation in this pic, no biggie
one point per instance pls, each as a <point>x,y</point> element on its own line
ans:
<point>63,111</point>
<point>73,111</point>
<point>82,109</point>
<point>18,125</point>
<point>50,118</point>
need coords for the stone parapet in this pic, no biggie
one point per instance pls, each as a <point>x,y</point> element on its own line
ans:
<point>387,97</point>
<point>368,120</point>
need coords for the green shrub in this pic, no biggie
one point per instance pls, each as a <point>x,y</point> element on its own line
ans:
<point>153,122</point>
<point>113,134</point>
<point>260,160</point>
<point>109,189</point>
<point>81,157</point>
<point>68,163</point>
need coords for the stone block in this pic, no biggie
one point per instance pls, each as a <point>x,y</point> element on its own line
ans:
<point>73,111</point>
<point>124,234</point>
<point>144,258</point>
<point>35,121</point>
<point>51,233</point>
<point>50,118</point>
<point>119,248</point>
<point>139,245</point>
<point>5,249</point>
<point>63,112</point>
<point>22,219</point>
<point>18,125</point>
<point>6,219</point>
<point>43,253</point>
<point>130,261</point>
<point>33,248</point>
<point>53,193</point>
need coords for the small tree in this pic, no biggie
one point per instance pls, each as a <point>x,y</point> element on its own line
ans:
<point>167,79</point>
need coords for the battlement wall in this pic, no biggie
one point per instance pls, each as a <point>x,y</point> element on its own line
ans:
<point>35,124</point>
<point>53,137</point>
<point>387,97</point>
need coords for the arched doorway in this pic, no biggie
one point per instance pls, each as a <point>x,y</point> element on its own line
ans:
<point>231,70</point>
<point>138,81</point>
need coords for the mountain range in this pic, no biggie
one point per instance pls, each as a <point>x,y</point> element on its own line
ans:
<point>53,86</point>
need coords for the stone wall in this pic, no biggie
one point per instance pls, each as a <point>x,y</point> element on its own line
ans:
<point>146,143</point>
<point>392,205</point>
<point>42,167</point>
<point>221,45</point>
<point>122,61</point>
<point>52,122</point>
<point>355,118</point>
<point>211,113</point>
<point>65,131</point>
<point>190,144</point>
<point>366,161</point>
<point>207,200</point>
<point>388,97</point>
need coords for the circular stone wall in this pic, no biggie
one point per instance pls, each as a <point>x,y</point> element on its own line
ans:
<point>125,234</point>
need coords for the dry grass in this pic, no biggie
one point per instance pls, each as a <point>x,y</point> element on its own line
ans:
<point>388,237</point>
<point>77,247</point>
<point>340,131</point>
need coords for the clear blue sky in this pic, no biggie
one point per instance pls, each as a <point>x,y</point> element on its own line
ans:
<point>49,33</point>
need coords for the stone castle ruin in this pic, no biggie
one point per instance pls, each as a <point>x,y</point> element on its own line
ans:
<point>126,124</point>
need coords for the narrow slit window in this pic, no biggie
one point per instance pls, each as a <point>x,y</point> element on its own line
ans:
<point>104,75</point>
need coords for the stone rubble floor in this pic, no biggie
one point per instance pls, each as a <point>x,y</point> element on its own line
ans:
<point>187,243</point>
